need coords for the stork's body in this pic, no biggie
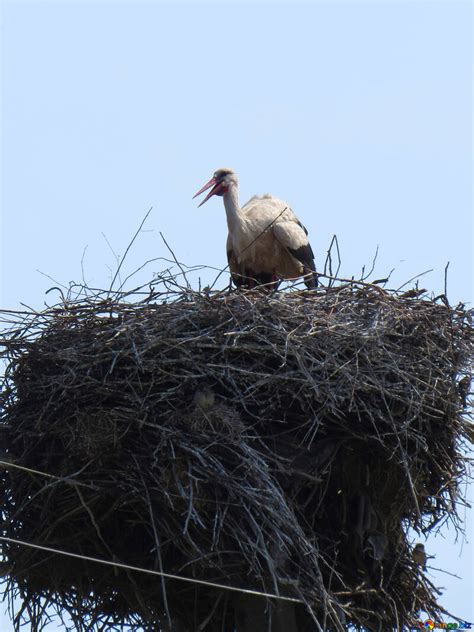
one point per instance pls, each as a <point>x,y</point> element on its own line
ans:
<point>266,241</point>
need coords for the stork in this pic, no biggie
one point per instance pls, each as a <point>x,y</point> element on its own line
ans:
<point>266,240</point>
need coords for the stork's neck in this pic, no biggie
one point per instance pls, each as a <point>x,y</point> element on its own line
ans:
<point>235,217</point>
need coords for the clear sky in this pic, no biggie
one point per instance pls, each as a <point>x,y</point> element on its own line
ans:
<point>358,114</point>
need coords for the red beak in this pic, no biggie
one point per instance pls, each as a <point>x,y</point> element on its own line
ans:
<point>217,187</point>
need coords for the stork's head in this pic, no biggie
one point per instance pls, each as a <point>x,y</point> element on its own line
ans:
<point>220,183</point>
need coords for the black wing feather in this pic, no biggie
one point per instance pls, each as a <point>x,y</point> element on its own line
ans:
<point>305,255</point>
<point>303,227</point>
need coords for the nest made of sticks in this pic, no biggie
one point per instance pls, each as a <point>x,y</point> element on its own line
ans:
<point>282,443</point>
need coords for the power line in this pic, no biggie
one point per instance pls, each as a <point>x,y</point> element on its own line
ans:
<point>9,464</point>
<point>63,479</point>
<point>152,572</point>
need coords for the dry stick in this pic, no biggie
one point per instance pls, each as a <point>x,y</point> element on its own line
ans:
<point>373,265</point>
<point>82,266</point>
<point>116,256</point>
<point>372,285</point>
<point>158,552</point>
<point>148,571</point>
<point>176,261</point>
<point>93,521</point>
<point>204,623</point>
<point>128,248</point>
<point>446,280</point>
<point>339,260</point>
<point>55,287</point>
<point>441,570</point>
<point>17,311</point>
<point>140,268</point>
<point>328,262</point>
<point>380,290</point>
<point>190,268</point>
<point>413,278</point>
<point>51,279</point>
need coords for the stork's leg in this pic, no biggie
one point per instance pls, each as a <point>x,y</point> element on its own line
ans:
<point>275,282</point>
<point>229,287</point>
<point>251,279</point>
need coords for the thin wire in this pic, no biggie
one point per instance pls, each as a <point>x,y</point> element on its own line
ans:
<point>125,566</point>
<point>9,464</point>
<point>151,572</point>
<point>64,479</point>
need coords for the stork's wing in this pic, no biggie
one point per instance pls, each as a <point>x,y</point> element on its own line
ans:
<point>268,212</point>
<point>294,237</point>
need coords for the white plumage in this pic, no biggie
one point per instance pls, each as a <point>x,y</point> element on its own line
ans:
<point>266,241</point>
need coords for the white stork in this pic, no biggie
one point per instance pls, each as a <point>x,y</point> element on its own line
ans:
<point>266,240</point>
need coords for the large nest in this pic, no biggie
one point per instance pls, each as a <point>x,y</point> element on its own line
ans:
<point>283,444</point>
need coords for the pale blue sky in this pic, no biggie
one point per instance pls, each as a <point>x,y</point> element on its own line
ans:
<point>358,114</point>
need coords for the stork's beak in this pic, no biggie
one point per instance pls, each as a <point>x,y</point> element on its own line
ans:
<point>217,187</point>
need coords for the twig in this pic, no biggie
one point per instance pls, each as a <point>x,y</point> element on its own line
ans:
<point>117,272</point>
<point>180,266</point>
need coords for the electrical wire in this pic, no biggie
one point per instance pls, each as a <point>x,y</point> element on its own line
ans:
<point>190,580</point>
